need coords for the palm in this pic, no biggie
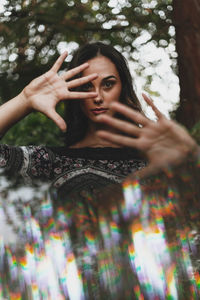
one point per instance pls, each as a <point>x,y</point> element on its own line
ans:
<point>46,91</point>
<point>162,142</point>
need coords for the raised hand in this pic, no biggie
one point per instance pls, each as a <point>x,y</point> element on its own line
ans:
<point>162,142</point>
<point>46,91</point>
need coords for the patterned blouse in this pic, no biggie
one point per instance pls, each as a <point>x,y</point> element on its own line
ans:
<point>70,169</point>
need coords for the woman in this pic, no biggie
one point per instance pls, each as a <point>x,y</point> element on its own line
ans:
<point>107,139</point>
<point>104,58</point>
<point>98,85</point>
<point>114,83</point>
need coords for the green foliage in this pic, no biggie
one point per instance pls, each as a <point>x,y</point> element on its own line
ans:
<point>31,33</point>
<point>35,129</point>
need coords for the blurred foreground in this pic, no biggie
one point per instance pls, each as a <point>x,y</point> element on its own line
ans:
<point>138,240</point>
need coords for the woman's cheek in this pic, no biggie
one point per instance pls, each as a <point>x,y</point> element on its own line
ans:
<point>114,97</point>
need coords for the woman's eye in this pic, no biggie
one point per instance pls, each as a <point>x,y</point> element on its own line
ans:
<point>87,87</point>
<point>109,84</point>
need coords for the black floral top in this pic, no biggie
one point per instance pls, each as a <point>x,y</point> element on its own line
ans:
<point>73,169</point>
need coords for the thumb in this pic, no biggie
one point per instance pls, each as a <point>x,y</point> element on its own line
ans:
<point>56,118</point>
<point>147,171</point>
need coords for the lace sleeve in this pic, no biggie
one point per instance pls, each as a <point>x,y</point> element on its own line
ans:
<point>11,159</point>
<point>37,162</point>
<point>32,162</point>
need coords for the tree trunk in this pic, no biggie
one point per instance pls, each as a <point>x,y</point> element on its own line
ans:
<point>187,24</point>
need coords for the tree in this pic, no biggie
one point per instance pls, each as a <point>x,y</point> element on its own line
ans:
<point>31,33</point>
<point>186,18</point>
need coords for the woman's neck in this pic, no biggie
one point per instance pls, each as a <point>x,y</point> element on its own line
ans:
<point>91,138</point>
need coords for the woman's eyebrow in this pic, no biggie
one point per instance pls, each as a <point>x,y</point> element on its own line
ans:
<point>108,77</point>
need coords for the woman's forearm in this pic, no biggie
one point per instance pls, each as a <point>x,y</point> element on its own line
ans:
<point>12,111</point>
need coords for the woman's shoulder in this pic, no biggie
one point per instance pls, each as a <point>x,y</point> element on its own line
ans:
<point>15,153</point>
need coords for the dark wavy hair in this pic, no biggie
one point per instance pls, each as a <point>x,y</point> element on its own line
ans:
<point>77,122</point>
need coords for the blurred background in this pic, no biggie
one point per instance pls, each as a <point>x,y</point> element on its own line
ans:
<point>159,38</point>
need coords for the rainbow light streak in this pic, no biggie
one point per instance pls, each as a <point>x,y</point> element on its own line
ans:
<point>140,245</point>
<point>15,296</point>
<point>192,243</point>
<point>82,217</point>
<point>172,198</point>
<point>1,288</point>
<point>148,233</point>
<point>149,271</point>
<point>115,213</point>
<point>2,251</point>
<point>110,272</point>
<point>35,291</point>
<point>29,270</point>
<point>68,211</point>
<point>138,293</point>
<point>163,207</point>
<point>91,242</point>
<point>186,262</point>
<point>171,275</point>
<point>64,268</point>
<point>74,280</point>
<point>37,238</point>
<point>56,251</point>
<point>115,233</point>
<point>47,278</point>
<point>27,217</point>
<point>102,266</point>
<point>105,231</point>
<point>46,207</point>
<point>50,225</point>
<point>13,266</point>
<point>132,198</point>
<point>67,242</point>
<point>87,263</point>
<point>25,268</point>
<point>149,253</point>
<point>62,219</point>
<point>197,280</point>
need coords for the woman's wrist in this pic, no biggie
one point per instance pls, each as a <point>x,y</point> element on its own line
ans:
<point>25,101</point>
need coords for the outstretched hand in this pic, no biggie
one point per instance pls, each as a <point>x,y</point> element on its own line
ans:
<point>163,142</point>
<point>46,91</point>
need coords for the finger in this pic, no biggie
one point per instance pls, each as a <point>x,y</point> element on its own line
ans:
<point>81,81</point>
<point>118,139</point>
<point>59,62</point>
<point>56,118</point>
<point>130,113</point>
<point>123,126</point>
<point>145,172</point>
<point>82,95</point>
<point>150,102</point>
<point>71,73</point>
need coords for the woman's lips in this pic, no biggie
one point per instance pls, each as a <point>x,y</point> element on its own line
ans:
<point>98,111</point>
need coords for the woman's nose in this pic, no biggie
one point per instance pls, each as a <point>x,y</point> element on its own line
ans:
<point>98,99</point>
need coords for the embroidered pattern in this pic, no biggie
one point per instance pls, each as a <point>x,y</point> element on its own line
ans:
<point>43,163</point>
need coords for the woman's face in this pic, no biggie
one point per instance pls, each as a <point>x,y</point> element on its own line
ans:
<point>107,86</point>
